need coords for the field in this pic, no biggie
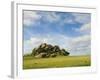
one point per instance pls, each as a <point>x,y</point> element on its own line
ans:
<point>61,61</point>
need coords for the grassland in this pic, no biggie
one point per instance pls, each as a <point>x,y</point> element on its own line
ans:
<point>61,61</point>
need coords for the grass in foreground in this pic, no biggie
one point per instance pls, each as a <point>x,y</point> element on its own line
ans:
<point>61,61</point>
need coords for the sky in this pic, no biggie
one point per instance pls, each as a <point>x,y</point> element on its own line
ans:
<point>68,30</point>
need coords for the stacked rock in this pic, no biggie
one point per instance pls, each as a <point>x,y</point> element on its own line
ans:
<point>48,50</point>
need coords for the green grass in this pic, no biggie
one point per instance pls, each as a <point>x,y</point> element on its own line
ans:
<point>61,61</point>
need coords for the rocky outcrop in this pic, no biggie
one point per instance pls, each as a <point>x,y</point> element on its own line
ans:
<point>47,50</point>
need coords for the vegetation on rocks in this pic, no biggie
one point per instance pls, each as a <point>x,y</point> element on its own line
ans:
<point>47,50</point>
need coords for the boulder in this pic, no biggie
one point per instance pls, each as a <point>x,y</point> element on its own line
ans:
<point>53,55</point>
<point>47,50</point>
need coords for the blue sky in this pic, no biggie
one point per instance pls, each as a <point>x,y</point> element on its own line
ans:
<point>69,30</point>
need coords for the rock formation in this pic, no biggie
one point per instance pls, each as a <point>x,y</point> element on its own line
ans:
<point>47,50</point>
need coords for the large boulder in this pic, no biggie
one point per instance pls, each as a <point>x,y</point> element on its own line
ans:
<point>53,55</point>
<point>46,50</point>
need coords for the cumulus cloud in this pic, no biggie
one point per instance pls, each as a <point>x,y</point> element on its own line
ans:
<point>51,16</point>
<point>78,45</point>
<point>82,17</point>
<point>85,28</point>
<point>31,43</point>
<point>34,41</point>
<point>33,17</point>
<point>30,17</point>
<point>81,44</point>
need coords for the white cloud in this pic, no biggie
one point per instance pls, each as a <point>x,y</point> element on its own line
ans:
<point>51,16</point>
<point>86,28</point>
<point>31,43</point>
<point>30,17</point>
<point>69,21</point>
<point>81,44</point>
<point>82,17</point>
<point>82,38</point>
<point>50,39</point>
<point>78,45</point>
<point>75,45</point>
